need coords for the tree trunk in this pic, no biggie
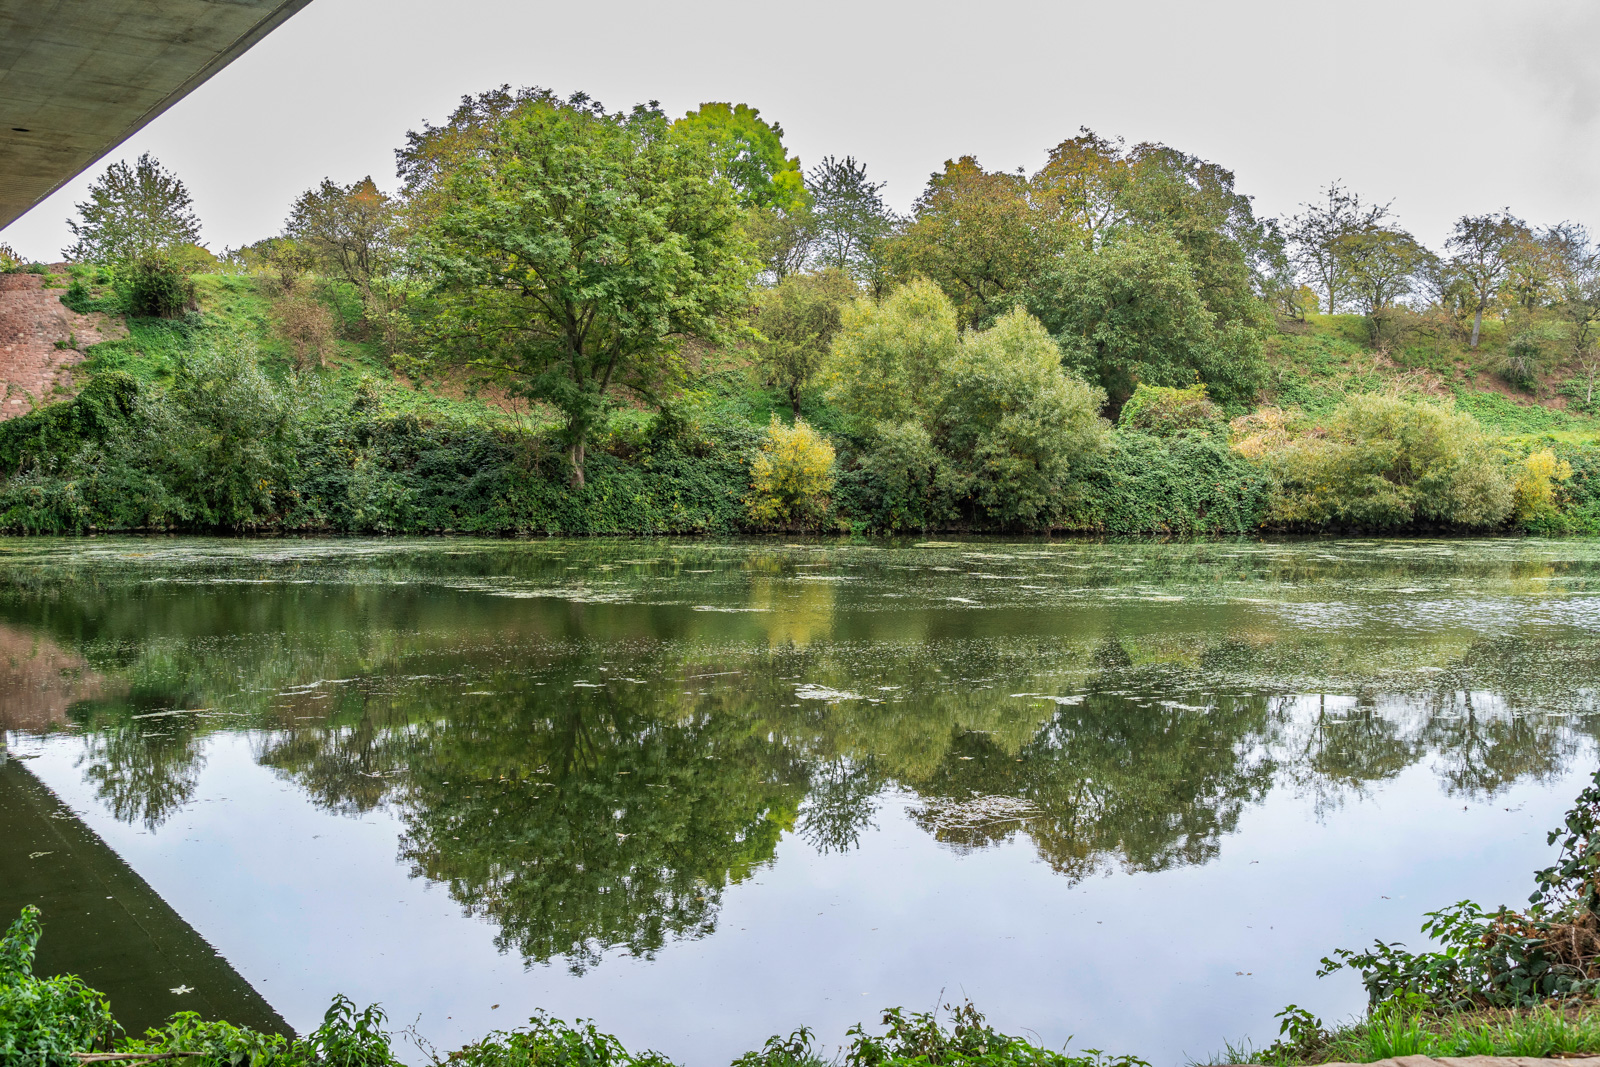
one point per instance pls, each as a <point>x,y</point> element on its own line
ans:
<point>794,400</point>
<point>1330,298</point>
<point>575,453</point>
<point>1477,324</point>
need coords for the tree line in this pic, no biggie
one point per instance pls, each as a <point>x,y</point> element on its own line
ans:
<point>974,360</point>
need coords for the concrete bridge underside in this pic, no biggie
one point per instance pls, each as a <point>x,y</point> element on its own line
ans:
<point>78,77</point>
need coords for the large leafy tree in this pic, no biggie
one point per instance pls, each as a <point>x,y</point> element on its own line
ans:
<point>797,320</point>
<point>748,151</point>
<point>852,220</point>
<point>134,213</point>
<point>976,234</point>
<point>1383,265</point>
<point>1133,312</point>
<point>1575,266</point>
<point>573,250</point>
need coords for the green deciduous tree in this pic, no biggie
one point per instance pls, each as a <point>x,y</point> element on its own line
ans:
<point>351,231</point>
<point>1575,261</point>
<point>852,220</point>
<point>1382,266</point>
<point>1132,312</point>
<point>1481,249</point>
<point>976,234</point>
<point>748,152</point>
<point>573,249</point>
<point>1015,422</point>
<point>889,357</point>
<point>797,320</point>
<point>987,419</point>
<point>133,213</point>
<point>1316,233</point>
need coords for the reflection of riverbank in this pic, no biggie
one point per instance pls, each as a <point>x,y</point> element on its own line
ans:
<point>39,681</point>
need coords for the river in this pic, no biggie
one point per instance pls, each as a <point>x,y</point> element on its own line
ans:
<point>1126,794</point>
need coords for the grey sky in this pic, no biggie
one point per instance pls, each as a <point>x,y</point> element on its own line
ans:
<point>1444,106</point>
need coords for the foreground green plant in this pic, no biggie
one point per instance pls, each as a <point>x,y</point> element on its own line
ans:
<point>920,1039</point>
<point>44,1020</point>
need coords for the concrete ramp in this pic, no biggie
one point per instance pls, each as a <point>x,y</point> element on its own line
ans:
<point>104,923</point>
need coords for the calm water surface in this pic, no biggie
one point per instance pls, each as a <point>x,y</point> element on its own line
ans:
<point>1127,794</point>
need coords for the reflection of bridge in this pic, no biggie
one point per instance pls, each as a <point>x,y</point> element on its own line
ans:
<point>79,77</point>
<point>104,923</point>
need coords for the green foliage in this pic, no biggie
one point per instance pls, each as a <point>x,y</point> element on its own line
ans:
<point>548,1042</point>
<point>574,250</point>
<point>1165,412</point>
<point>1504,958</point>
<point>1133,311</point>
<point>156,286</point>
<point>1016,424</point>
<point>133,213</point>
<point>889,356</point>
<point>44,1020</point>
<point>975,233</point>
<point>793,1051</point>
<point>797,320</point>
<point>350,1038</point>
<point>43,437</point>
<point>1383,463</point>
<point>1002,427</point>
<point>850,220</point>
<point>903,482</point>
<point>219,1043</point>
<point>919,1038</point>
<point>747,151</point>
<point>1189,484</point>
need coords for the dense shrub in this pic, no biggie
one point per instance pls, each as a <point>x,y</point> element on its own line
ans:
<point>919,1039</point>
<point>1537,485</point>
<point>44,1020</point>
<point>791,477</point>
<point>156,286</point>
<point>1162,411</point>
<point>1191,484</point>
<point>986,424</point>
<point>1015,424</point>
<point>1386,463</point>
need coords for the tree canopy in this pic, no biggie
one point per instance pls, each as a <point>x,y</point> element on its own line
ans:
<point>133,213</point>
<point>573,253</point>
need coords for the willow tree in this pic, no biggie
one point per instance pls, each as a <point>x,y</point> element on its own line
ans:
<point>573,251</point>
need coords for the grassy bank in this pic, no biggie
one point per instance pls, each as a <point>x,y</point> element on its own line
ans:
<point>1397,1030</point>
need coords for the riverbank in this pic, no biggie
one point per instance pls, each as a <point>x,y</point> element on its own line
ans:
<point>205,424</point>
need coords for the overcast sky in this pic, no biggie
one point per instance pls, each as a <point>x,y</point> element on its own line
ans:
<point>1444,107</point>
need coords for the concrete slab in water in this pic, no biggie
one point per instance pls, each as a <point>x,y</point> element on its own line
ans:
<point>104,923</point>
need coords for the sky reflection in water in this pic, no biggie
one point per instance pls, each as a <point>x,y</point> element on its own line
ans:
<point>708,792</point>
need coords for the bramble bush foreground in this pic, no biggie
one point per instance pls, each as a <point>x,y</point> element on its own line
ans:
<point>52,1022</point>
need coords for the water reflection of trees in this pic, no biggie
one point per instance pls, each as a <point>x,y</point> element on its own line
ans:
<point>580,812</point>
<point>145,772</point>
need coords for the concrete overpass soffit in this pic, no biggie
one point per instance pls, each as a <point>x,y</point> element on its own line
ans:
<point>79,77</point>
